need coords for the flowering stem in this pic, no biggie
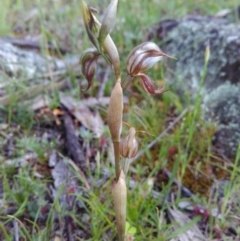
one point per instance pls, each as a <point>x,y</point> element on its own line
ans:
<point>117,158</point>
<point>106,58</point>
<point>126,81</point>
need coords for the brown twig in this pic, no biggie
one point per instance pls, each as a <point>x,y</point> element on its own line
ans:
<point>69,229</point>
<point>72,143</point>
<point>16,231</point>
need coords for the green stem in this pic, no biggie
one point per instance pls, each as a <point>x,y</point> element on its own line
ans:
<point>117,158</point>
<point>122,238</point>
<point>126,81</point>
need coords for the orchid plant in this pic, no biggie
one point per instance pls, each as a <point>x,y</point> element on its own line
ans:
<point>140,59</point>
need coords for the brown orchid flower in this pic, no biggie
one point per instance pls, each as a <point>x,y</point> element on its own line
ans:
<point>140,59</point>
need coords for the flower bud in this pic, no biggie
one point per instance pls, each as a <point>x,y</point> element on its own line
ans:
<point>108,20</point>
<point>88,63</point>
<point>112,53</point>
<point>207,53</point>
<point>91,24</point>
<point>129,145</point>
<point>119,193</point>
<point>143,57</point>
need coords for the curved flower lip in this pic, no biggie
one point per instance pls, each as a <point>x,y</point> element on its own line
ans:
<point>148,85</point>
<point>88,63</point>
<point>90,67</point>
<point>143,57</point>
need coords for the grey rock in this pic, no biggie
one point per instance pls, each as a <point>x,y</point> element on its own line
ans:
<point>23,68</point>
<point>18,62</point>
<point>15,61</point>
<point>187,40</point>
<point>223,106</point>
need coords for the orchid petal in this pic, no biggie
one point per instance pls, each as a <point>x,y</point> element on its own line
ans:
<point>143,57</point>
<point>88,63</point>
<point>148,85</point>
<point>150,62</point>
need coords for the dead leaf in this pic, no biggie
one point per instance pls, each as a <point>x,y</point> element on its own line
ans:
<point>180,219</point>
<point>88,118</point>
<point>41,101</point>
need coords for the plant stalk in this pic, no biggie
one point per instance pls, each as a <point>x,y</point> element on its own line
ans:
<point>117,158</point>
<point>126,81</point>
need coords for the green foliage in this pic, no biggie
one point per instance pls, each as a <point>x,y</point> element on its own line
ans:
<point>58,21</point>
